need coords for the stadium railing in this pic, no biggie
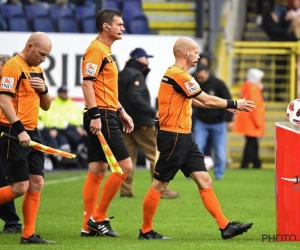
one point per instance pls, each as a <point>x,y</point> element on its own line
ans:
<point>280,62</point>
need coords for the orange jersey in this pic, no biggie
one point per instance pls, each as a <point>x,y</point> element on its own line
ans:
<point>100,66</point>
<point>251,123</point>
<point>174,100</point>
<point>14,80</point>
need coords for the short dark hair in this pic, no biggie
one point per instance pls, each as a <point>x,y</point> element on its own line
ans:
<point>201,67</point>
<point>106,16</point>
<point>205,56</point>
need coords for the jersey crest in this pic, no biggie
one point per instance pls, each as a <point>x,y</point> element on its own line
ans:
<point>192,86</point>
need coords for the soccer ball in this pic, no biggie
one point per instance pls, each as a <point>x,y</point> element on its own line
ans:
<point>293,111</point>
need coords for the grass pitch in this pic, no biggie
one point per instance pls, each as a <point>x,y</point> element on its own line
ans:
<point>246,195</point>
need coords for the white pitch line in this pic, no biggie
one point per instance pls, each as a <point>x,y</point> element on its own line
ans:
<point>75,178</point>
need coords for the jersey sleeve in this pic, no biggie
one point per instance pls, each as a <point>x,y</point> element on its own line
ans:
<point>91,64</point>
<point>10,76</point>
<point>188,85</point>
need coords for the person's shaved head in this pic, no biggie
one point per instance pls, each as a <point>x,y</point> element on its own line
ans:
<point>39,39</point>
<point>38,46</point>
<point>182,45</point>
<point>186,52</point>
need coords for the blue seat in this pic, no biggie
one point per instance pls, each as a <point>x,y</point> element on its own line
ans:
<point>43,23</point>
<point>9,10</point>
<point>82,12</point>
<point>57,11</point>
<point>35,10</point>
<point>131,9</point>
<point>139,25</point>
<point>18,23</point>
<point>113,4</point>
<point>91,3</point>
<point>88,25</point>
<point>67,24</point>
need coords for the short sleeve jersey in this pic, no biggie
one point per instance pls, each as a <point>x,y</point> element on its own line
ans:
<point>14,81</point>
<point>99,65</point>
<point>174,100</point>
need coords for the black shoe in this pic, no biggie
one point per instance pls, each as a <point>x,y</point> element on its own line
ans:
<point>92,233</point>
<point>126,195</point>
<point>235,228</point>
<point>102,227</point>
<point>11,230</point>
<point>152,235</point>
<point>36,239</point>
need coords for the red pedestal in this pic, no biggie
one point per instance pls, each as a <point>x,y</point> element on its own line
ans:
<point>287,181</point>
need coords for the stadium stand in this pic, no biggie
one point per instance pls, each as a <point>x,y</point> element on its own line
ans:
<point>113,4</point>
<point>85,16</point>
<point>170,17</point>
<point>9,10</point>
<point>134,18</point>
<point>246,58</point>
<point>82,12</point>
<point>59,11</point>
<point>138,25</point>
<point>18,23</point>
<point>34,10</point>
<point>61,16</point>
<point>87,25</point>
<point>43,23</point>
<point>67,24</point>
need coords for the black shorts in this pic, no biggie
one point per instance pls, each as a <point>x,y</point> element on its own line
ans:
<point>22,161</point>
<point>177,152</point>
<point>112,134</point>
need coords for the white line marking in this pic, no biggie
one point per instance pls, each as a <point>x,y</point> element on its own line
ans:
<point>63,180</point>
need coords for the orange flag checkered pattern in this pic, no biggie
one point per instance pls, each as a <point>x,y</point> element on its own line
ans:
<point>111,160</point>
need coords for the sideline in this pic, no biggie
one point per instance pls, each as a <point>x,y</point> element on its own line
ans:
<point>83,176</point>
<point>75,178</point>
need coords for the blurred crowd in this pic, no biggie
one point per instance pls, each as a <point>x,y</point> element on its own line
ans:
<point>61,128</point>
<point>68,16</point>
<point>281,20</point>
<point>59,2</point>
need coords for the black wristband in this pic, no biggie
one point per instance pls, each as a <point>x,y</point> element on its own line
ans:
<point>45,92</point>
<point>18,126</point>
<point>230,104</point>
<point>235,104</point>
<point>120,109</point>
<point>94,113</point>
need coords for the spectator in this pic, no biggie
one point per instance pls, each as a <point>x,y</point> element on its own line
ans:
<point>277,28</point>
<point>273,28</point>
<point>63,128</point>
<point>135,98</point>
<point>7,211</point>
<point>261,7</point>
<point>292,11</point>
<point>213,123</point>
<point>205,59</point>
<point>19,2</point>
<point>293,34</point>
<point>62,2</point>
<point>276,22</point>
<point>3,24</point>
<point>252,125</point>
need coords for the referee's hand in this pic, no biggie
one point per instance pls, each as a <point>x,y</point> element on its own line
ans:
<point>24,139</point>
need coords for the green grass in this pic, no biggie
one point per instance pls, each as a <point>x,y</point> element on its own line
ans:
<point>246,195</point>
